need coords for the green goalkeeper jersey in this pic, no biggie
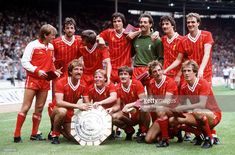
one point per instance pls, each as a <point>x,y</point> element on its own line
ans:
<point>147,51</point>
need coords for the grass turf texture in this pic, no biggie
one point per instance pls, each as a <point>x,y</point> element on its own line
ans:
<point>225,131</point>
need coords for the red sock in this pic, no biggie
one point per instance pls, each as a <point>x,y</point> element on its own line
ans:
<point>206,127</point>
<point>36,118</point>
<point>143,129</point>
<point>19,122</point>
<point>55,134</point>
<point>190,129</point>
<point>213,132</point>
<point>163,123</point>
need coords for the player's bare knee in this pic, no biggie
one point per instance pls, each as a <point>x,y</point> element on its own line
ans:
<point>61,111</point>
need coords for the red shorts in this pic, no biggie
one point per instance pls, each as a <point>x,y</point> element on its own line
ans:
<point>114,76</point>
<point>88,79</point>
<point>69,114</point>
<point>134,116</point>
<point>138,72</point>
<point>37,84</point>
<point>217,118</point>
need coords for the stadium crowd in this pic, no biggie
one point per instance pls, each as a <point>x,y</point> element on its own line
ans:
<point>18,27</point>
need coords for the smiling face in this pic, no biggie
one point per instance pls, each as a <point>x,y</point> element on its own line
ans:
<point>167,27</point>
<point>125,77</point>
<point>76,72</point>
<point>192,24</point>
<point>100,79</point>
<point>157,73</point>
<point>145,25</point>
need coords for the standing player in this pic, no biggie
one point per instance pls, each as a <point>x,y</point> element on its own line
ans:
<point>197,45</point>
<point>37,60</point>
<point>95,56</point>
<point>206,113</point>
<point>66,47</point>
<point>68,90</point>
<point>232,76</point>
<point>226,71</point>
<point>165,90</point>
<point>145,49</point>
<point>119,45</point>
<point>172,44</point>
<point>124,113</point>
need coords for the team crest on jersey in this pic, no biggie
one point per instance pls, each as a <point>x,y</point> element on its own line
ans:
<point>132,94</point>
<point>174,46</point>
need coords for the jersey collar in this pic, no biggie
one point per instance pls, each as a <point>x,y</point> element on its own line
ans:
<point>71,84</point>
<point>194,39</point>
<point>68,42</point>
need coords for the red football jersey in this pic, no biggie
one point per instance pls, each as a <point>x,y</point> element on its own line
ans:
<point>172,47</point>
<point>94,57</point>
<point>96,95</point>
<point>194,48</point>
<point>119,48</point>
<point>130,94</point>
<point>167,84</point>
<point>203,88</point>
<point>65,51</point>
<point>71,93</point>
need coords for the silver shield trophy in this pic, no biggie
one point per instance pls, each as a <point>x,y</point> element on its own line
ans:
<point>91,127</point>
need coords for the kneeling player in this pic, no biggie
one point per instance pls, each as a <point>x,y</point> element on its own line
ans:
<point>164,92</point>
<point>102,93</point>
<point>68,90</point>
<point>206,113</point>
<point>124,113</point>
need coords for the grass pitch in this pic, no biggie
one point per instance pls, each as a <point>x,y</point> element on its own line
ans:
<point>225,131</point>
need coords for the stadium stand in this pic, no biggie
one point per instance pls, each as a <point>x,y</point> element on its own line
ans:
<point>19,26</point>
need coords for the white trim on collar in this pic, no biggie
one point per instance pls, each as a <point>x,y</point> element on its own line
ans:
<point>194,39</point>
<point>99,91</point>
<point>161,83</point>
<point>194,85</point>
<point>169,41</point>
<point>119,35</point>
<point>71,84</point>
<point>92,49</point>
<point>68,42</point>
<point>127,90</point>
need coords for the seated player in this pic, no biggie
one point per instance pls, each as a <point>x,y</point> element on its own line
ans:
<point>206,113</point>
<point>125,114</point>
<point>101,93</point>
<point>68,90</point>
<point>164,91</point>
